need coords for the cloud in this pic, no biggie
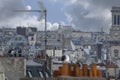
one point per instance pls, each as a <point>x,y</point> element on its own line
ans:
<point>8,16</point>
<point>28,7</point>
<point>30,21</point>
<point>89,15</point>
<point>7,8</point>
<point>86,15</point>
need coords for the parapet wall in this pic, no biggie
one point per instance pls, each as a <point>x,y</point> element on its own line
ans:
<point>14,68</point>
<point>66,78</point>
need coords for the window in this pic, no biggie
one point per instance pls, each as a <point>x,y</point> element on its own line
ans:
<point>116,52</point>
<point>118,19</point>
<point>116,34</point>
<point>114,19</point>
<point>32,38</point>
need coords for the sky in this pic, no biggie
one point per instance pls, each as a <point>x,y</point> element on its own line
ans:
<point>85,15</point>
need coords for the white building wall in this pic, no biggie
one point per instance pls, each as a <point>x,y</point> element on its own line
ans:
<point>58,53</point>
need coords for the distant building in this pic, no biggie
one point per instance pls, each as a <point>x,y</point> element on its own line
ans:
<point>99,50</point>
<point>18,41</point>
<point>115,29</point>
<point>53,42</point>
<point>112,71</point>
<point>21,31</point>
<point>65,30</point>
<point>32,29</point>
<point>76,33</point>
<point>26,31</point>
<point>115,33</point>
<point>32,39</point>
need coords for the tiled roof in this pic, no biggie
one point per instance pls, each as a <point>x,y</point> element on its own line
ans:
<point>112,65</point>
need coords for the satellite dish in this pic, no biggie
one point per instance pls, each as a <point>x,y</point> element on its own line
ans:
<point>65,58</point>
<point>80,65</point>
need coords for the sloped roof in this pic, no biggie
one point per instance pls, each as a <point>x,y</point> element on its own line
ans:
<point>32,63</point>
<point>38,71</point>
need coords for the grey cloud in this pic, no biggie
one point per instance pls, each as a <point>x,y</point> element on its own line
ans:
<point>91,15</point>
<point>7,8</point>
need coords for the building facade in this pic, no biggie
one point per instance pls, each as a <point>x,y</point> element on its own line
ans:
<point>115,33</point>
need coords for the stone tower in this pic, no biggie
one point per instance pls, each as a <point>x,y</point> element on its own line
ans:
<point>115,30</point>
<point>115,33</point>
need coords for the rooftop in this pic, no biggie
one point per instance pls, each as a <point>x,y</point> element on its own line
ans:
<point>111,65</point>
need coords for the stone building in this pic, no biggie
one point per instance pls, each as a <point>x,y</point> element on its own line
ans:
<point>13,68</point>
<point>115,33</point>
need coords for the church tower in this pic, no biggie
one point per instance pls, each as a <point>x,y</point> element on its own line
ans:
<point>115,33</point>
<point>115,29</point>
